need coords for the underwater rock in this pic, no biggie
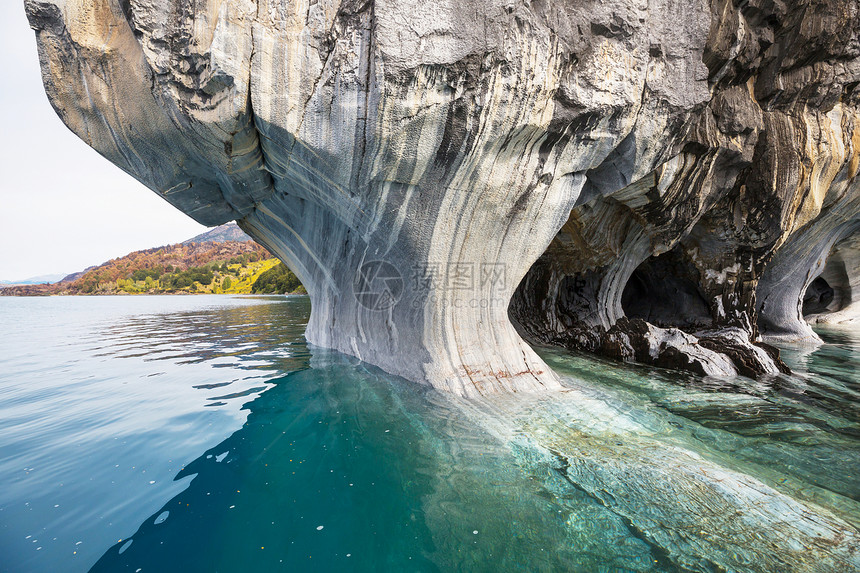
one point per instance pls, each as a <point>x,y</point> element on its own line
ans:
<point>413,163</point>
<point>700,511</point>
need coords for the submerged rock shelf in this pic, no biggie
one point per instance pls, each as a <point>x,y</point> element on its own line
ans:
<point>705,496</point>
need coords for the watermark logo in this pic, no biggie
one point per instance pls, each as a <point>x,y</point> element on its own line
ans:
<point>378,285</point>
<point>458,277</point>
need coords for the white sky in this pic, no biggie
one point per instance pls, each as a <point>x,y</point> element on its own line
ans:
<point>63,207</point>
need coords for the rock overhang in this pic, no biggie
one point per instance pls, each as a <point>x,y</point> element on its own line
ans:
<point>448,139</point>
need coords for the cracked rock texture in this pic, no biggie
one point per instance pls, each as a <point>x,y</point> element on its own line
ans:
<point>662,179</point>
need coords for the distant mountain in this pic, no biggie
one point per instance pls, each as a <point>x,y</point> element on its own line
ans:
<point>220,234</point>
<point>75,276</point>
<point>41,279</point>
<point>213,262</point>
<point>227,267</point>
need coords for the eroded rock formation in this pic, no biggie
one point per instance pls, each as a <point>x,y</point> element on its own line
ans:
<point>650,173</point>
<point>678,266</point>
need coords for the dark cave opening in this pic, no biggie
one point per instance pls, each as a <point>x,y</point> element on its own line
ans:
<point>818,296</point>
<point>664,291</point>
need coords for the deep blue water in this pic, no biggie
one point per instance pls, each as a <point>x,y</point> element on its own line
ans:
<point>201,433</point>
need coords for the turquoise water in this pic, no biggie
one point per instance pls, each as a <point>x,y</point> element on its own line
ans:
<point>202,433</point>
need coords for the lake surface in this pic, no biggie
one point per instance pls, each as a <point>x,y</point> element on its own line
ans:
<point>202,433</point>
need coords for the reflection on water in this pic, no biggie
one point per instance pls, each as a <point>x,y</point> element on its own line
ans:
<point>201,433</point>
<point>103,400</point>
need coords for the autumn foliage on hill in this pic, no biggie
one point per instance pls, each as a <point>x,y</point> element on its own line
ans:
<point>176,265</point>
<point>169,259</point>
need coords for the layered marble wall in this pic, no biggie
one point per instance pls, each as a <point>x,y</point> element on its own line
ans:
<point>430,170</point>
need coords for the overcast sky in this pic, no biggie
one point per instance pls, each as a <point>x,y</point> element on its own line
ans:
<point>63,207</point>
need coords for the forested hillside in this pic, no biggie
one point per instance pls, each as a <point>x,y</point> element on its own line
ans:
<point>228,267</point>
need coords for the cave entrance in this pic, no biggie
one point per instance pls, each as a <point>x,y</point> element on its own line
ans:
<point>819,294</point>
<point>831,291</point>
<point>664,291</point>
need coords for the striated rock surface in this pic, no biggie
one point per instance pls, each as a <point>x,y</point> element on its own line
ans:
<point>725,229</point>
<point>658,177</point>
<point>839,299</point>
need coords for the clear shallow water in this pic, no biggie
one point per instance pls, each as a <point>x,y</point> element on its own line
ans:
<point>799,433</point>
<point>201,434</point>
